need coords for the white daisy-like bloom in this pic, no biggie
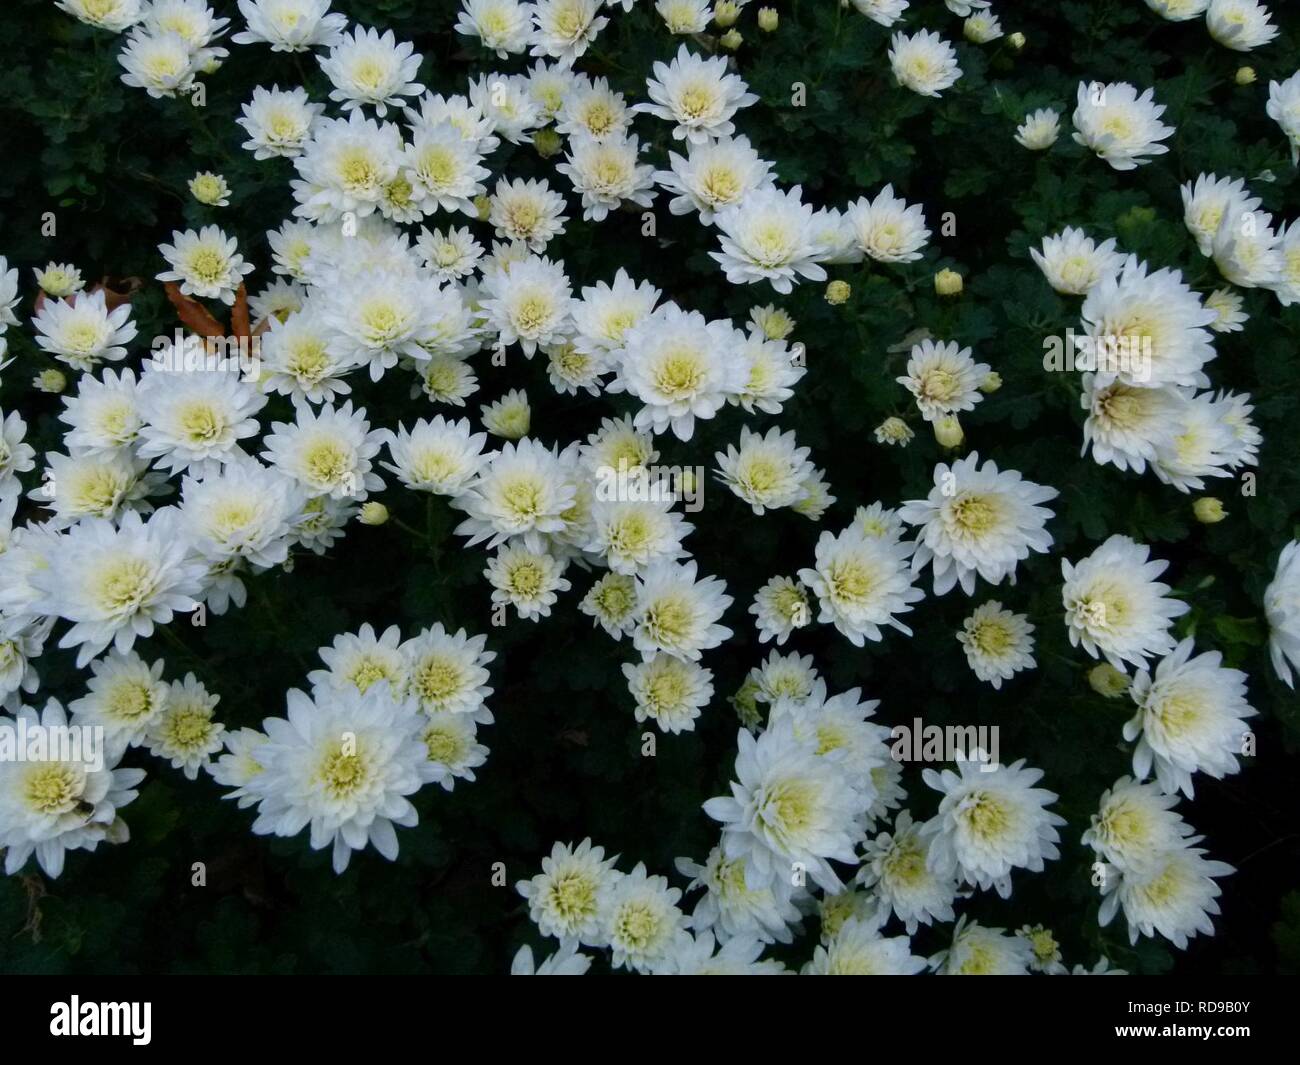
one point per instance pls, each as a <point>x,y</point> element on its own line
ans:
<point>768,234</point>
<point>669,691</point>
<point>1178,10</point>
<point>508,417</point>
<point>1122,127</point>
<point>290,25</point>
<point>631,535</point>
<point>977,521</point>
<point>113,15</point>
<point>787,677</point>
<point>193,20</point>
<point>103,417</point>
<point>1204,444</point>
<point>1282,609</point>
<point>528,580</point>
<point>606,174</point>
<point>305,359</point>
<point>292,245</point>
<point>564,962</point>
<point>452,750</point>
<point>361,659</point>
<point>96,485</point>
<point>982,27</point>
<point>1284,108</point>
<point>163,64</point>
<point>278,301</point>
<point>59,280</point>
<point>1287,285</point>
<point>206,263</point>
<point>1226,303</point>
<point>678,614</point>
<point>448,672</point>
<point>56,805</point>
<point>944,378</point>
<point>277,122</point>
<point>1045,951</point>
<point>125,696</point>
<point>567,897</point>
<point>1040,129</point>
<point>713,175</point>
<point>697,94</point>
<point>611,603</point>
<point>1247,248</point>
<point>20,646</point>
<point>977,950</point>
<point>238,766</point>
<point>618,445</point>
<point>681,367</point>
<point>447,168</point>
<point>861,584</point>
<point>1146,328</point>
<point>502,26</point>
<point>447,379</point>
<point>564,29</point>
<point>322,522</point>
<point>16,456</point>
<point>1190,719</point>
<point>1174,897</point>
<point>550,85</point>
<point>1128,426</point>
<point>449,254</point>
<point>886,229</point>
<point>858,949</point>
<point>881,12</point>
<point>879,521</point>
<point>9,294</point>
<point>1073,262</point>
<point>770,322</point>
<point>523,492</point>
<point>1207,200</point>
<point>640,920</point>
<point>780,607</point>
<point>368,68</point>
<point>1234,410</point>
<point>1241,25</point>
<point>991,820</point>
<point>766,471</point>
<point>186,733</point>
<point>605,312</point>
<point>964,8</point>
<point>1134,824</point>
<point>842,730</point>
<point>896,870</point>
<point>923,62</point>
<point>528,211</point>
<point>790,809</point>
<point>702,954</point>
<point>1114,605</point>
<point>328,451</point>
<point>115,584</point>
<point>998,643</point>
<point>684,17</point>
<point>730,908</point>
<point>571,371</point>
<point>769,369</point>
<point>505,102</point>
<point>345,166</point>
<point>434,111</point>
<point>84,332</point>
<point>439,456</point>
<point>195,420</point>
<point>380,317</point>
<point>590,108</point>
<point>344,763</point>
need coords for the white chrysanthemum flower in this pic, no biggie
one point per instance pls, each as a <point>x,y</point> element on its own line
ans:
<point>435,111</point>
<point>1247,249</point>
<point>618,445</point>
<point>881,12</point>
<point>448,672</point>
<point>1282,609</point>
<point>998,643</point>
<point>9,295</point>
<point>977,521</point>
<point>566,899</point>
<point>678,614</point>
<point>780,607</point>
<point>344,763</point>
<point>698,94</point>
<point>452,749</point>
<point>278,301</point>
<point>604,313</point>
<point>20,646</point>
<point>1204,444</point>
<point>1073,262</point>
<point>1134,824</point>
<point>447,168</point>
<point>103,417</point>
<point>1040,129</point>
<point>112,15</point>
<point>768,234</point>
<point>702,954</point>
<point>977,950</point>
<point>382,316</point>
<point>606,174</point>
<point>896,870</point>
<point>713,175</point>
<point>550,86</point>
<point>59,280</point>
<point>640,921</point>
<point>361,659</point>
<point>305,359</point>
<point>1234,410</point>
<point>449,254</point>
<point>15,456</point>
<point>684,17</point>
<point>563,29</point>
<point>505,102</point>
<point>861,583</point>
<point>115,584</point>
<point>528,302</point>
<point>571,371</point>
<point>345,166</point>
<point>1287,285</point>
<point>982,27</point>
<point>858,949</point>
<point>328,451</point>
<point>923,62</point>
<point>1174,897</point>
<point>879,522</point>
<point>237,768</point>
<point>84,332</point>
<point>786,677</point>
<point>125,696</point>
<point>1045,951</point>
<point>1226,304</point>
<point>292,245</point>
<point>523,491</point>
<point>944,378</point>
<point>770,368</point>
<point>1240,24</point>
<point>211,190</point>
<point>731,908</point>
<point>681,367</point>
<point>592,109</point>
<point>1284,108</point>
<point>528,580</point>
<point>103,485</point>
<point>508,417</point>
<point>186,733</point>
<point>374,69</point>
<point>669,691</point>
<point>50,807</point>
<point>632,534</point>
<point>439,456</point>
<point>886,229</point>
<point>1119,125</point>
<point>501,25</point>
<point>1190,719</point>
<point>1126,425</point>
<point>1207,200</point>
<point>206,263</point>
<point>446,379</point>
<point>290,25</point>
<point>991,820</point>
<point>277,122</point>
<point>195,420</point>
<point>528,211</point>
<point>789,805</point>
<point>1178,10</point>
<point>163,64</point>
<point>322,522</point>
<point>611,602</point>
<point>767,472</point>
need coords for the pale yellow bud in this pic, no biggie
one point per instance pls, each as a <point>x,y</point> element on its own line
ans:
<point>731,40</point>
<point>768,19</point>
<point>725,13</point>
<point>1107,681</point>
<point>50,381</point>
<point>373,513</point>
<point>1245,76</point>
<point>1209,510</point>
<point>838,292</point>
<point>948,283</point>
<point>992,382</point>
<point>547,142</point>
<point>948,431</point>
